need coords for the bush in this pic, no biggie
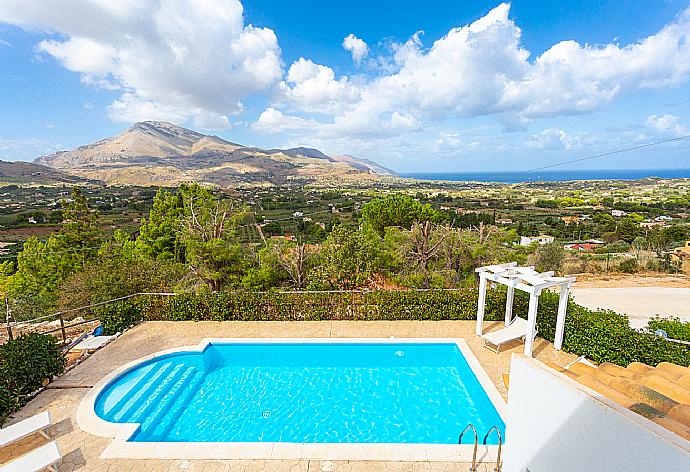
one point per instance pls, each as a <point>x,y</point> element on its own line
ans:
<point>314,306</point>
<point>117,317</point>
<point>674,327</point>
<point>602,336</point>
<point>629,266</point>
<point>24,363</point>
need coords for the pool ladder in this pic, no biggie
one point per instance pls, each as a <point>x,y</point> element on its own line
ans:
<point>476,444</point>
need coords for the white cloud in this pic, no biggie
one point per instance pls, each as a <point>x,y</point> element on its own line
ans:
<point>357,47</point>
<point>667,124</point>
<point>483,69</point>
<point>313,88</point>
<point>554,139</point>
<point>5,43</point>
<point>274,121</point>
<point>179,60</point>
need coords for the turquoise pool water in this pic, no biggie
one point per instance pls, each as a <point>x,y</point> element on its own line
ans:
<point>304,393</point>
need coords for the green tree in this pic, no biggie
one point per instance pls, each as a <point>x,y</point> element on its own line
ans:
<point>349,258</point>
<point>213,251</point>
<point>639,244</point>
<point>43,265</point>
<point>397,210</point>
<point>550,257</point>
<point>159,234</point>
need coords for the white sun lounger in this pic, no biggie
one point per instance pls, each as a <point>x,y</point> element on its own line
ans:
<point>516,330</point>
<point>36,424</point>
<point>45,457</point>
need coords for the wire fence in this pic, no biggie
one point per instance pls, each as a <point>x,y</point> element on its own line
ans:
<point>61,322</point>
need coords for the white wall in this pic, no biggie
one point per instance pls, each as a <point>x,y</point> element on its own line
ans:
<point>556,424</point>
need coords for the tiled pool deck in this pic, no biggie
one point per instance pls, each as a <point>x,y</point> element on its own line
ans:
<point>82,451</point>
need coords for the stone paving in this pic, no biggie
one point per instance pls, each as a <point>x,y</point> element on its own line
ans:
<point>81,450</point>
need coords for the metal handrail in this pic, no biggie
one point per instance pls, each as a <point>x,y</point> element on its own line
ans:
<point>476,444</point>
<point>500,443</point>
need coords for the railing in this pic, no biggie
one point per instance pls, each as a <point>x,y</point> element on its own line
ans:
<point>473,468</point>
<point>12,326</point>
<point>500,444</point>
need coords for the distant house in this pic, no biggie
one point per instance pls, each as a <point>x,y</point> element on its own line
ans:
<point>570,219</point>
<point>663,218</point>
<point>504,221</point>
<point>618,213</point>
<point>653,224</point>
<point>287,237</point>
<point>298,214</point>
<point>580,247</point>
<point>541,239</point>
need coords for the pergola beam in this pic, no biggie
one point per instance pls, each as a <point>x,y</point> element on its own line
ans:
<point>530,281</point>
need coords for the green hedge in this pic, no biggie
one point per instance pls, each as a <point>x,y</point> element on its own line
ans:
<point>24,363</point>
<point>674,327</point>
<point>315,306</point>
<point>602,336</point>
<point>117,317</point>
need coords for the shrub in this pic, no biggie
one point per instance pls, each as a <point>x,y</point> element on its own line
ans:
<point>313,306</point>
<point>117,317</point>
<point>629,266</point>
<point>602,336</point>
<point>550,257</point>
<point>674,327</point>
<point>24,363</point>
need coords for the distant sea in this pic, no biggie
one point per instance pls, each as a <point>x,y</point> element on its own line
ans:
<point>512,177</point>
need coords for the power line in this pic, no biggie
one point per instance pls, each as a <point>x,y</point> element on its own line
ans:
<point>609,153</point>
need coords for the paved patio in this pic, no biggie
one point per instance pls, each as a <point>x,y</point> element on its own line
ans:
<point>81,450</point>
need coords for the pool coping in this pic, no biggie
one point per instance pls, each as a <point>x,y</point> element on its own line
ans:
<point>121,448</point>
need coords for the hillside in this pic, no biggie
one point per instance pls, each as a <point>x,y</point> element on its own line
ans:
<point>161,153</point>
<point>27,173</point>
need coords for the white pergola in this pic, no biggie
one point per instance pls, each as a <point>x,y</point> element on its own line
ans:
<point>528,280</point>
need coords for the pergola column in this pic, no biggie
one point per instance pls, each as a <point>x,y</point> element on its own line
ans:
<point>510,296</point>
<point>560,320</point>
<point>481,303</point>
<point>531,321</point>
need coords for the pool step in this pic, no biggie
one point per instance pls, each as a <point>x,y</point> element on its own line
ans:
<point>160,429</point>
<point>169,400</point>
<point>141,388</point>
<point>152,394</point>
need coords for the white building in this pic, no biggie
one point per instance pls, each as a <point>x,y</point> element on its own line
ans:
<point>541,239</point>
<point>618,213</point>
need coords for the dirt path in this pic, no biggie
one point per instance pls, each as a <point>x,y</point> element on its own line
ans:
<point>638,302</point>
<point>625,280</point>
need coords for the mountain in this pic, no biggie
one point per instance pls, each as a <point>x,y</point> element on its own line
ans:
<point>161,153</point>
<point>365,164</point>
<point>27,173</point>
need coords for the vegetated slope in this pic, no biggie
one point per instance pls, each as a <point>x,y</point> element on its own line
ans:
<point>28,173</point>
<point>161,153</point>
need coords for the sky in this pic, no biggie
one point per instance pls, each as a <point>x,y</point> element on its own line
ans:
<point>433,86</point>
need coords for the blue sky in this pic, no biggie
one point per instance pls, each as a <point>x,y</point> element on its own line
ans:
<point>417,86</point>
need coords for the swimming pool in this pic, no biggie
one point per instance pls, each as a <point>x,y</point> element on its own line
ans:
<point>302,391</point>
